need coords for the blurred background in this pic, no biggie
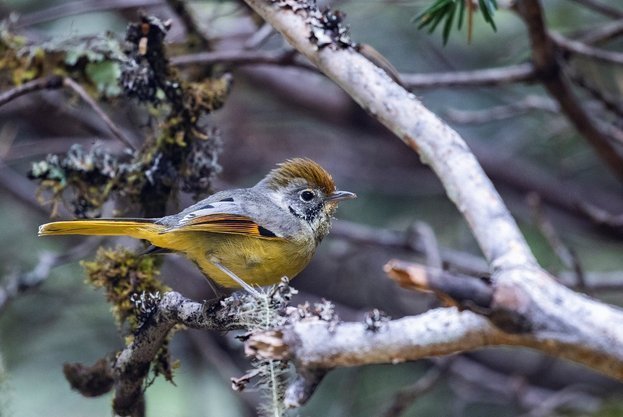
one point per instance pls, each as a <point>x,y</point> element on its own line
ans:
<point>544,169</point>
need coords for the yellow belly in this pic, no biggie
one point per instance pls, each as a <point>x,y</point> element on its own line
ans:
<point>255,260</point>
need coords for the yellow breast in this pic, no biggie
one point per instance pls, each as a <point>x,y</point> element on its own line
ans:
<point>257,261</point>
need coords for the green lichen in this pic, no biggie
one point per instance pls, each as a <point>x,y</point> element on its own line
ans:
<point>124,274</point>
<point>93,61</point>
<point>91,175</point>
<point>182,156</point>
<point>132,288</point>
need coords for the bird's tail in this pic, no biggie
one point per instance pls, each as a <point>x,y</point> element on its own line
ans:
<point>136,228</point>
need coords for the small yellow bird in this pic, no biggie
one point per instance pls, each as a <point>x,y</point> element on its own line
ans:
<point>237,237</point>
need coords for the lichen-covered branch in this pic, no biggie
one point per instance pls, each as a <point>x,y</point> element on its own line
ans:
<point>127,372</point>
<point>315,344</point>
<point>438,332</point>
<point>132,365</point>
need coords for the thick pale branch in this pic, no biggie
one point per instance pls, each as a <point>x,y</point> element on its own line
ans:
<point>317,344</point>
<point>443,331</point>
<point>541,313</point>
<point>438,145</point>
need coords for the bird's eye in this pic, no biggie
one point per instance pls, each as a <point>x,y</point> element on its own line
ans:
<point>307,195</point>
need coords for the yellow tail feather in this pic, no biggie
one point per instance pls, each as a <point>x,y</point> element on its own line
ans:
<point>136,228</point>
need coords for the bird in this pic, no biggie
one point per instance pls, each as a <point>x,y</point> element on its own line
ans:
<point>242,237</point>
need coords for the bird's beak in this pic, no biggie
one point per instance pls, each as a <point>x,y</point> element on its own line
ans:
<point>341,195</point>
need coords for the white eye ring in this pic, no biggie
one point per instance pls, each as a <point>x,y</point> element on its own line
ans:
<point>307,195</point>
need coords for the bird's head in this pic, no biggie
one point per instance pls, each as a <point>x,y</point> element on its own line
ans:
<point>306,191</point>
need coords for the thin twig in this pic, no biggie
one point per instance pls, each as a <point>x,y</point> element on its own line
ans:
<point>46,145</point>
<point>56,82</point>
<point>588,51</point>
<point>242,57</point>
<point>608,102</point>
<point>80,7</point>
<point>22,190</point>
<point>117,132</point>
<point>512,388</point>
<point>427,236</point>
<point>47,83</point>
<point>367,235</point>
<point>505,111</point>
<point>601,216</point>
<point>19,283</point>
<point>477,78</point>
<point>545,60</point>
<point>407,396</point>
<point>193,29</point>
<point>259,37</point>
<point>602,33</point>
<point>602,8</point>
<point>567,256</point>
<point>555,401</point>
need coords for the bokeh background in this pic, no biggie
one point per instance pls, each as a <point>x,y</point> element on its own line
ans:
<point>274,113</point>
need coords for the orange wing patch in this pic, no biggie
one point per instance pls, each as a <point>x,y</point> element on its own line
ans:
<point>224,223</point>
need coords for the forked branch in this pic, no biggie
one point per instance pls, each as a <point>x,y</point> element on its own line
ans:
<point>530,308</point>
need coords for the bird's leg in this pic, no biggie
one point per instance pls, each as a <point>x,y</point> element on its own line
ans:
<point>236,278</point>
<point>216,289</point>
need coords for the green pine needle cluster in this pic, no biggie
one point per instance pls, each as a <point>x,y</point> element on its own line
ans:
<point>447,11</point>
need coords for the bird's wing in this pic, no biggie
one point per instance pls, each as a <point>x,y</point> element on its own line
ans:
<point>220,217</point>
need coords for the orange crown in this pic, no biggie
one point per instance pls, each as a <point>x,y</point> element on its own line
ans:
<point>314,174</point>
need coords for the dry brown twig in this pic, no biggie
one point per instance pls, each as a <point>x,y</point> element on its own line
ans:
<point>79,7</point>
<point>581,48</point>
<point>116,131</point>
<point>567,255</point>
<point>602,33</point>
<point>54,82</point>
<point>242,57</point>
<point>48,83</point>
<point>504,111</point>
<point>546,63</point>
<point>476,78</point>
<point>408,395</point>
<point>601,7</point>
